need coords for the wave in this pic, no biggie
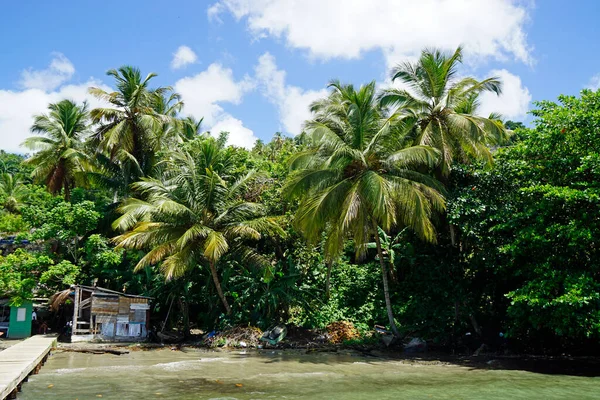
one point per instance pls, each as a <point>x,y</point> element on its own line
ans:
<point>186,364</point>
<point>65,371</point>
<point>297,374</point>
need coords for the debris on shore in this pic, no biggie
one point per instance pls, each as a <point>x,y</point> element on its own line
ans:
<point>239,336</point>
<point>342,331</point>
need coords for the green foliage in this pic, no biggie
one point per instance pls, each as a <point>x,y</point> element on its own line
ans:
<point>264,297</point>
<point>560,303</point>
<point>22,274</point>
<point>515,250</point>
<point>64,224</point>
<point>101,259</point>
<point>530,223</point>
<point>440,110</point>
<point>65,221</point>
<point>132,131</point>
<point>360,175</point>
<point>193,216</point>
<point>62,274</point>
<point>514,125</point>
<point>432,288</point>
<point>355,296</point>
<point>13,164</point>
<point>12,192</point>
<point>12,223</point>
<point>392,246</point>
<point>60,161</point>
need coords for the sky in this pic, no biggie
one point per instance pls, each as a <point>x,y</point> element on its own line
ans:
<point>252,67</point>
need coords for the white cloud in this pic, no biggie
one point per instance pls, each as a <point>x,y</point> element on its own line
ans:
<point>292,102</point>
<point>183,57</point>
<point>203,93</point>
<point>59,71</point>
<point>594,83</point>
<point>348,28</point>
<point>514,101</point>
<point>239,135</point>
<point>213,12</point>
<point>17,109</point>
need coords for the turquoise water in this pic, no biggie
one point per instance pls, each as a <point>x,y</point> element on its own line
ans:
<point>165,374</point>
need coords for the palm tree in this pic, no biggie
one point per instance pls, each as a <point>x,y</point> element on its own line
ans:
<point>13,191</point>
<point>440,109</point>
<point>359,176</point>
<point>190,128</point>
<point>129,131</point>
<point>60,161</point>
<point>192,216</point>
<point>166,102</point>
<point>173,131</point>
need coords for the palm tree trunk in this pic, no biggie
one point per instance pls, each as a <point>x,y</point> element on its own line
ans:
<point>213,272</point>
<point>386,291</point>
<point>67,189</point>
<point>185,316</point>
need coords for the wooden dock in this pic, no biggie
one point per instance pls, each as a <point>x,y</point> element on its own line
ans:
<point>22,359</point>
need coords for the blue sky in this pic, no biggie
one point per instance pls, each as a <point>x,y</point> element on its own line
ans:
<point>253,66</point>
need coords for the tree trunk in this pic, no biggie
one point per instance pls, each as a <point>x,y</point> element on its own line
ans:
<point>67,189</point>
<point>213,272</point>
<point>386,291</point>
<point>393,275</point>
<point>185,316</point>
<point>76,250</point>
<point>164,324</point>
<point>453,234</point>
<point>328,281</point>
<point>476,326</point>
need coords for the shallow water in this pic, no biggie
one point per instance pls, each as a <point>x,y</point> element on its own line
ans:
<point>164,374</point>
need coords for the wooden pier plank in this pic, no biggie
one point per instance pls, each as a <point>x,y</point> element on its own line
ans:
<point>18,361</point>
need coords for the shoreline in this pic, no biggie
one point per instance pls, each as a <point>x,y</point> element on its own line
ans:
<point>564,365</point>
<point>545,364</point>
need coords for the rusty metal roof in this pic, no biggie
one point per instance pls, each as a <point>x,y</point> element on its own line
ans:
<point>95,289</point>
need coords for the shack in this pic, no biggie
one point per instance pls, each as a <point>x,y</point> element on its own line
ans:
<point>105,314</point>
<point>15,321</point>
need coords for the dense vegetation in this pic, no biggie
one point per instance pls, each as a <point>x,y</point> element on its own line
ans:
<point>388,209</point>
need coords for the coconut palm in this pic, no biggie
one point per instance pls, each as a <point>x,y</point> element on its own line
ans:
<point>168,104</point>
<point>129,132</point>
<point>359,176</point>
<point>440,108</point>
<point>190,128</point>
<point>13,191</point>
<point>60,161</point>
<point>192,217</point>
<point>112,174</point>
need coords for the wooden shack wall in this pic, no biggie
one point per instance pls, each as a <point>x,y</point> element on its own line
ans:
<point>105,309</point>
<point>119,312</point>
<point>105,305</point>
